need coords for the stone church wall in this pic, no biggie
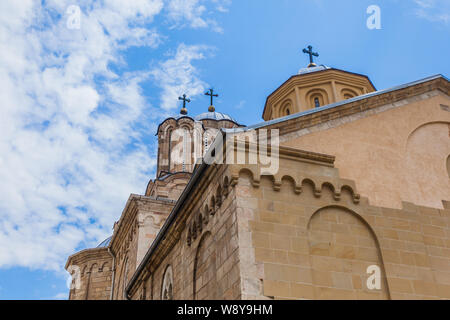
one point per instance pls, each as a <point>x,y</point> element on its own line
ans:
<point>306,234</point>
<point>405,143</point>
<point>91,271</point>
<point>205,260</point>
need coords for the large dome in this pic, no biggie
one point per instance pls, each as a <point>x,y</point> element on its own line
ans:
<point>213,116</point>
<point>104,243</point>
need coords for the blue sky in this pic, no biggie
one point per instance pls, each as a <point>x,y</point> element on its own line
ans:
<point>80,107</point>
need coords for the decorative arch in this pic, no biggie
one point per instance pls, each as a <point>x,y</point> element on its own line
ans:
<point>347,93</point>
<point>184,144</point>
<point>251,172</point>
<point>104,267</point>
<point>169,148</point>
<point>92,273</point>
<point>317,95</point>
<point>83,272</point>
<point>309,184</point>
<point>427,151</point>
<point>121,278</point>
<point>204,281</point>
<point>342,246</point>
<point>213,205</point>
<point>286,108</point>
<point>219,196</point>
<point>167,284</point>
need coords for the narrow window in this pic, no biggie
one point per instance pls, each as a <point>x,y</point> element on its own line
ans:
<point>316,102</point>
<point>288,112</point>
<point>167,286</point>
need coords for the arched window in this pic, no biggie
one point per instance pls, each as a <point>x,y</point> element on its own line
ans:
<point>285,109</point>
<point>316,102</point>
<point>181,146</point>
<point>317,98</point>
<point>169,150</point>
<point>167,285</point>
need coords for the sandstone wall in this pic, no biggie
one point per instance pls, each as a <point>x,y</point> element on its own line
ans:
<point>306,234</point>
<point>396,152</point>
<point>205,260</point>
<point>91,272</point>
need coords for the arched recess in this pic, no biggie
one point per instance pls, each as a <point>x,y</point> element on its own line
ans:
<point>167,284</point>
<point>342,246</point>
<point>169,148</point>
<point>286,108</point>
<point>426,165</point>
<point>93,274</point>
<point>121,279</point>
<point>205,281</point>
<point>181,146</point>
<point>317,95</point>
<point>347,93</point>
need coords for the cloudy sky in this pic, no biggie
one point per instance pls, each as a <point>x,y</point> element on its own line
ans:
<point>80,99</point>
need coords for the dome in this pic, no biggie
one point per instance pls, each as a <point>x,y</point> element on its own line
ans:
<point>214,116</point>
<point>313,69</point>
<point>104,243</point>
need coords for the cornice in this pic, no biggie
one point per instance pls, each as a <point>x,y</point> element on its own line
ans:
<point>88,254</point>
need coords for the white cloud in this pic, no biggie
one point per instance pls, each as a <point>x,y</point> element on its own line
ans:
<point>434,10</point>
<point>71,129</point>
<point>192,13</point>
<point>177,75</point>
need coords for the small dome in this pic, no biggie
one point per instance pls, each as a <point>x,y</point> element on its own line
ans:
<point>105,243</point>
<point>214,116</point>
<point>313,69</point>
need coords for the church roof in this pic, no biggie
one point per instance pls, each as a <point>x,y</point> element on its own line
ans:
<point>305,72</point>
<point>213,116</point>
<point>313,69</point>
<point>217,116</point>
<point>105,243</point>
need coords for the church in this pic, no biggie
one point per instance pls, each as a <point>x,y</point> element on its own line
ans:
<point>354,202</point>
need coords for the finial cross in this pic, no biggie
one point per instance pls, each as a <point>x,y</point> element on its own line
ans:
<point>184,100</point>
<point>211,94</point>
<point>311,54</point>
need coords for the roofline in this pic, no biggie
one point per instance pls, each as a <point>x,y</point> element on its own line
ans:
<point>189,117</point>
<point>69,259</point>
<point>337,104</point>
<point>315,72</point>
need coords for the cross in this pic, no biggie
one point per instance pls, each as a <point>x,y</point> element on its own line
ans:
<point>311,54</point>
<point>211,94</point>
<point>184,100</point>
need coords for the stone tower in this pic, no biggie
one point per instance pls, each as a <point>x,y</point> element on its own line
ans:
<point>181,140</point>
